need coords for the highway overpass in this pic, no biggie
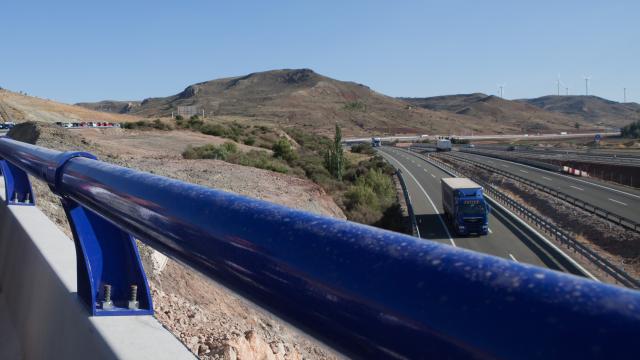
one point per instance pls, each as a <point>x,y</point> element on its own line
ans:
<point>411,138</point>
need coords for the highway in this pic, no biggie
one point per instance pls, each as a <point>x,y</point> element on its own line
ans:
<point>618,200</point>
<point>507,238</point>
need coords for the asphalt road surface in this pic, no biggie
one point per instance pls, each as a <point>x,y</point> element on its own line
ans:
<point>507,238</point>
<point>618,200</point>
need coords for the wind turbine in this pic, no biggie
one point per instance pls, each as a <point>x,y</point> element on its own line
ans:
<point>586,84</point>
<point>501,90</point>
<point>558,82</point>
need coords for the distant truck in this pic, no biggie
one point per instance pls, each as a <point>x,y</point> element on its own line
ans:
<point>376,142</point>
<point>464,206</point>
<point>443,145</point>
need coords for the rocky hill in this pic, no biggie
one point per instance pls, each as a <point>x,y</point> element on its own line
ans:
<point>515,114</point>
<point>302,98</point>
<point>592,109</point>
<point>112,106</point>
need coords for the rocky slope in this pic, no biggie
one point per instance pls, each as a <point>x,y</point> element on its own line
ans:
<point>18,107</point>
<point>297,97</point>
<point>207,318</point>
<point>592,109</point>
<point>507,113</point>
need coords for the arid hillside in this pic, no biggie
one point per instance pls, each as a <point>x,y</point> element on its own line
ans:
<point>501,112</point>
<point>300,98</point>
<point>17,107</point>
<point>592,109</point>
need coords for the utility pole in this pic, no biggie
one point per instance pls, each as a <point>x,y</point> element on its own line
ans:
<point>567,93</point>
<point>625,94</point>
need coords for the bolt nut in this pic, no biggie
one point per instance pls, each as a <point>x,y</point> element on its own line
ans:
<point>107,304</point>
<point>133,298</point>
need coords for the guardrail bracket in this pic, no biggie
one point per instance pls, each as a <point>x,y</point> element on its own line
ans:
<point>17,185</point>
<point>107,258</point>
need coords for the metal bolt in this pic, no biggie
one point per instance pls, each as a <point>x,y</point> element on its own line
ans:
<point>133,298</point>
<point>107,304</point>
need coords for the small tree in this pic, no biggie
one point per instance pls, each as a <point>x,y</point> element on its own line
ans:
<point>577,125</point>
<point>334,157</point>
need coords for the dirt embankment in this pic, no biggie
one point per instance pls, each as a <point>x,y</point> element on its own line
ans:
<point>611,241</point>
<point>208,319</point>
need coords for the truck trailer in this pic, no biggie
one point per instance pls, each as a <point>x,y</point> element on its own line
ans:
<point>376,142</point>
<point>464,206</point>
<point>443,145</point>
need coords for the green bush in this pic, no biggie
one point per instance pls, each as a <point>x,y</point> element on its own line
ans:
<point>179,117</point>
<point>259,159</point>
<point>631,131</point>
<point>355,106</point>
<point>365,148</point>
<point>282,149</point>
<point>146,125</point>
<point>250,141</point>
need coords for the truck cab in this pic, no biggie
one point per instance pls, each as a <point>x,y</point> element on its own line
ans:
<point>464,206</point>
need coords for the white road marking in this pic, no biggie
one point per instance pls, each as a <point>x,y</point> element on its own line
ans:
<point>504,165</point>
<point>526,172</point>
<point>513,257</point>
<point>619,202</point>
<point>433,176</point>
<point>569,177</point>
<point>575,187</point>
<point>490,231</point>
<point>444,225</point>
<point>546,178</point>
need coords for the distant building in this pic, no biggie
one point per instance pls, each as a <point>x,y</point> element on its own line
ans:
<point>187,111</point>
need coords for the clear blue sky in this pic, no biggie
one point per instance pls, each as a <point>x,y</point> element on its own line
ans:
<point>88,50</point>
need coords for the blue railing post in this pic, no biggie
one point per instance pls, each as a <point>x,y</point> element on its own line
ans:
<point>107,258</point>
<point>16,184</point>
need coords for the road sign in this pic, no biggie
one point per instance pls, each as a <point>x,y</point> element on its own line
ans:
<point>597,138</point>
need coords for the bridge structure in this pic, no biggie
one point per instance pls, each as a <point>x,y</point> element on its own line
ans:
<point>367,293</point>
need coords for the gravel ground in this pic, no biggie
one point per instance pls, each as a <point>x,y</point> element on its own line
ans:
<point>211,321</point>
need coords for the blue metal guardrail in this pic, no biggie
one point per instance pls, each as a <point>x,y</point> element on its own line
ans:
<point>368,293</point>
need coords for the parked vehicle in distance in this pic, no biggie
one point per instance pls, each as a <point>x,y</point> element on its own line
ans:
<point>563,133</point>
<point>376,142</point>
<point>443,145</point>
<point>464,206</point>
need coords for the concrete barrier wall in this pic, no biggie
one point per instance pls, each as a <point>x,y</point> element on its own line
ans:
<point>40,315</point>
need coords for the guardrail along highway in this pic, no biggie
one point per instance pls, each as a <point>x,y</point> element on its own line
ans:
<point>507,238</point>
<point>617,200</point>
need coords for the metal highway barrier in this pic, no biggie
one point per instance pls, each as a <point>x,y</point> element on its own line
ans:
<point>412,217</point>
<point>596,210</point>
<point>366,292</point>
